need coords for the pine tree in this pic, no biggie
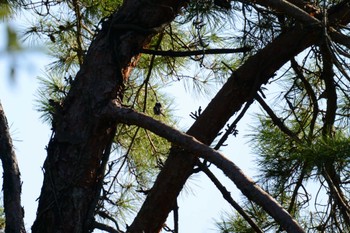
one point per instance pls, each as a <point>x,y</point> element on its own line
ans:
<point>108,155</point>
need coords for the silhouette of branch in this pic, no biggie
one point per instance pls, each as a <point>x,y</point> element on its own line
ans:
<point>172,53</point>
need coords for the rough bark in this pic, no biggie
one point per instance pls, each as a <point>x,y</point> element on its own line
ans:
<point>81,140</point>
<point>240,88</point>
<point>12,185</point>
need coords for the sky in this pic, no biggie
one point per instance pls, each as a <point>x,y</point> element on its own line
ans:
<point>200,203</point>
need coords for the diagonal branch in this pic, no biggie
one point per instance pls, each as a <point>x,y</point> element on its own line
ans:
<point>226,194</point>
<point>292,10</point>
<point>339,37</point>
<point>186,142</point>
<point>276,120</point>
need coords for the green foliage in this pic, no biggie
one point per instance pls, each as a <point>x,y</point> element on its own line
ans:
<point>327,150</point>
<point>233,223</point>
<point>51,93</point>
<point>305,155</point>
<point>7,8</point>
<point>281,157</point>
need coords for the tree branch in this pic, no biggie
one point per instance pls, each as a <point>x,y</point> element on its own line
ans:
<point>232,126</point>
<point>105,227</point>
<point>181,140</point>
<point>298,71</point>
<point>292,8</point>
<point>339,38</point>
<point>172,53</point>
<point>14,212</point>
<point>276,120</point>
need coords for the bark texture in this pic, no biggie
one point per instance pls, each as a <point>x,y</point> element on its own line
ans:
<point>240,88</point>
<point>12,185</point>
<point>81,139</point>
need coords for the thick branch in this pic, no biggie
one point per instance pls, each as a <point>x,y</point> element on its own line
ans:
<point>330,88</point>
<point>248,187</point>
<point>241,87</point>
<point>292,10</point>
<point>340,38</point>
<point>12,182</point>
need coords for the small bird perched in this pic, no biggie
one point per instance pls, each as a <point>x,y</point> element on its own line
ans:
<point>157,109</point>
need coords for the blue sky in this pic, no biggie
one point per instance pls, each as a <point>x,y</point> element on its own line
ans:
<point>199,204</point>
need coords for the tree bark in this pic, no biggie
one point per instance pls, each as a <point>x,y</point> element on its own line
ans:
<point>240,88</point>
<point>12,185</point>
<point>81,140</point>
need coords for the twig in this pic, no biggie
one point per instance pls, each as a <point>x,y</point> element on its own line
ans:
<point>276,120</point>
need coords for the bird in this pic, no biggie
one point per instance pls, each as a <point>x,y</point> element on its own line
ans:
<point>157,109</point>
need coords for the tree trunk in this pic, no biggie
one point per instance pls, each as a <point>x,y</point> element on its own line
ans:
<point>74,166</point>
